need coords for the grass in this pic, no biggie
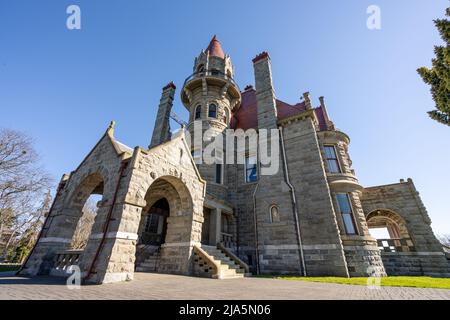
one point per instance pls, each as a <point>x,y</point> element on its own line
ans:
<point>417,282</point>
<point>9,267</point>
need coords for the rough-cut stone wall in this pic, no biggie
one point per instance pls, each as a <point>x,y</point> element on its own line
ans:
<point>99,169</point>
<point>324,254</point>
<point>403,200</point>
<point>361,251</point>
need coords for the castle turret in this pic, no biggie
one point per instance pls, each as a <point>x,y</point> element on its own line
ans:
<point>211,95</point>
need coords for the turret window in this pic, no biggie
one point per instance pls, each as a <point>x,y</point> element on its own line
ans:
<point>198,111</point>
<point>346,211</point>
<point>212,111</point>
<point>332,160</point>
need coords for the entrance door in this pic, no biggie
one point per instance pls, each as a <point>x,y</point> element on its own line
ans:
<point>205,226</point>
<point>155,228</point>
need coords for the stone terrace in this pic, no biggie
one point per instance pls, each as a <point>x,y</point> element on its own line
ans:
<point>161,286</point>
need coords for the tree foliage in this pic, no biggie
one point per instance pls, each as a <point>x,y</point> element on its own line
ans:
<point>24,192</point>
<point>438,77</point>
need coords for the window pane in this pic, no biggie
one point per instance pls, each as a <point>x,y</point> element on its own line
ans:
<point>333,166</point>
<point>197,112</point>
<point>348,221</point>
<point>218,173</point>
<point>329,152</point>
<point>251,172</point>
<point>344,204</point>
<point>212,111</point>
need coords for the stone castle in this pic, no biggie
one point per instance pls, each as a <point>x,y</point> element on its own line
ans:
<point>164,210</point>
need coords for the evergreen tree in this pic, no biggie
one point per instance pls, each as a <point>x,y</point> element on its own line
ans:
<point>438,77</point>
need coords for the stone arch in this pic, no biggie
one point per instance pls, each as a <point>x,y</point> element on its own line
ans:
<point>89,184</point>
<point>180,205</point>
<point>390,219</point>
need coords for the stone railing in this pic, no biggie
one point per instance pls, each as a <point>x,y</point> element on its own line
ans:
<point>204,265</point>
<point>234,257</point>
<point>226,239</point>
<point>396,245</point>
<point>64,260</point>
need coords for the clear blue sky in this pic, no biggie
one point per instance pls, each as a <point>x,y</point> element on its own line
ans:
<point>63,87</point>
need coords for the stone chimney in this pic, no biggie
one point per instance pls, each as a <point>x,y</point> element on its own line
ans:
<point>161,131</point>
<point>265,94</point>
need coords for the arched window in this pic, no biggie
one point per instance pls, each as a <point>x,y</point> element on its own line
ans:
<point>215,72</point>
<point>229,74</point>
<point>200,68</point>
<point>198,111</point>
<point>274,214</point>
<point>212,111</point>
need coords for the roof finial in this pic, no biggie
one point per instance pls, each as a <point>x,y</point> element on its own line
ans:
<point>111,127</point>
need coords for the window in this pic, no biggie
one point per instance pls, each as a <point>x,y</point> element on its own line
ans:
<point>274,214</point>
<point>212,111</point>
<point>251,172</point>
<point>218,173</point>
<point>332,161</point>
<point>215,72</point>
<point>151,225</point>
<point>198,111</point>
<point>345,208</point>
<point>197,155</point>
<point>200,68</point>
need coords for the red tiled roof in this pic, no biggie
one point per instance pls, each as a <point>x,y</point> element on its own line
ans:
<point>215,48</point>
<point>246,117</point>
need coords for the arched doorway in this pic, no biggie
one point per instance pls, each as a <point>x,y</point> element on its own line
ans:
<point>166,222</point>
<point>153,228</point>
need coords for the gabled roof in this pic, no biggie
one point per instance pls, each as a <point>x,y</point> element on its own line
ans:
<point>215,48</point>
<point>246,117</point>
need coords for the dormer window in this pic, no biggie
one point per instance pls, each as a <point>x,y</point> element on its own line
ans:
<point>212,111</point>
<point>198,111</point>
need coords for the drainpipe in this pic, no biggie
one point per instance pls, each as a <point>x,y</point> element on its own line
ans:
<point>294,204</point>
<point>256,229</point>
<point>107,222</point>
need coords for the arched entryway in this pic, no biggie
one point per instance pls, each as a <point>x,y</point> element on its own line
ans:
<point>153,227</point>
<point>390,230</point>
<point>166,221</point>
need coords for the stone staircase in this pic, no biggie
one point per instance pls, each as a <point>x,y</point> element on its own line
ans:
<point>149,260</point>
<point>215,262</point>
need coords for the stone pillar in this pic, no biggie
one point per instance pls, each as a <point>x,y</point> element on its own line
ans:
<point>161,130</point>
<point>215,226</point>
<point>265,95</point>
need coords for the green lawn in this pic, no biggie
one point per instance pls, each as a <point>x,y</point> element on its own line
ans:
<point>9,267</point>
<point>418,282</point>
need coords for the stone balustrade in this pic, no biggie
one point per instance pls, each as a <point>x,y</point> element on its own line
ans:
<point>64,260</point>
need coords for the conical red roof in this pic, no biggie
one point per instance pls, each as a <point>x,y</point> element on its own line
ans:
<point>215,49</point>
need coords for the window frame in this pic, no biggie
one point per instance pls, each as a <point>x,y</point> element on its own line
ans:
<point>352,214</point>
<point>198,112</point>
<point>335,159</point>
<point>246,169</point>
<point>215,111</point>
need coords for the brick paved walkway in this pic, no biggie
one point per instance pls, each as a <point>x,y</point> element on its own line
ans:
<point>159,286</point>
